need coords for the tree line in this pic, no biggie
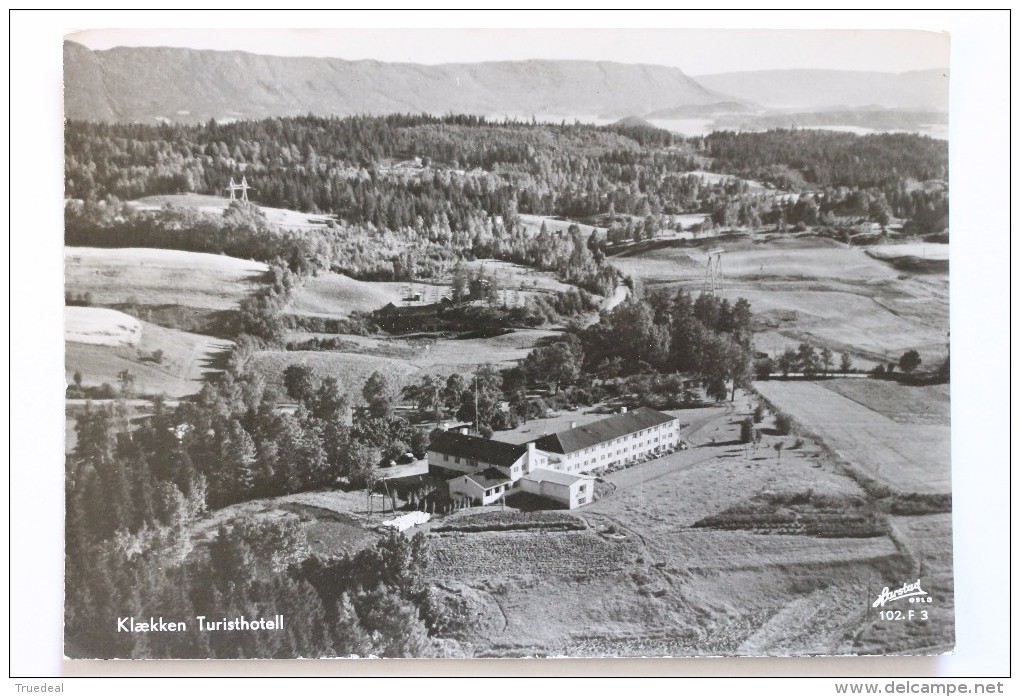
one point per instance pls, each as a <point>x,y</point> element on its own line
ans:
<point>471,169</point>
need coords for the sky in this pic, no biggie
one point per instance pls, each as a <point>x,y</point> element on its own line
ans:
<point>696,51</point>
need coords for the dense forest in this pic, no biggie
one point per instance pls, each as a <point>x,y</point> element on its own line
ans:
<point>468,170</point>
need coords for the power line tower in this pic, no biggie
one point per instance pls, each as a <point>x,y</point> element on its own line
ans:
<point>713,271</point>
<point>242,187</point>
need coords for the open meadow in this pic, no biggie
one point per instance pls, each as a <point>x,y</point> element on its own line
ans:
<point>160,277</point>
<point>811,289</point>
<point>439,354</point>
<point>337,295</point>
<point>533,223</point>
<point>98,348</point>
<point>290,219</point>
<point>99,326</point>
<point>907,456</point>
<point>400,359</point>
<point>351,370</point>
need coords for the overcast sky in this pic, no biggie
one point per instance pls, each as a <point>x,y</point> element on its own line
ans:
<point>696,51</point>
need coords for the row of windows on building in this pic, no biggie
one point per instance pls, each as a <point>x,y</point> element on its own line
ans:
<point>624,452</point>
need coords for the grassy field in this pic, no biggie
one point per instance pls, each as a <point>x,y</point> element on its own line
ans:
<point>337,295</point>
<point>159,277</point>
<point>906,404</point>
<point>215,205</point>
<point>438,355</point>
<point>400,359</point>
<point>350,369</point>
<point>186,357</point>
<point>533,223</point>
<point>99,326</point>
<point>923,250</point>
<point>907,457</point>
<point>815,290</point>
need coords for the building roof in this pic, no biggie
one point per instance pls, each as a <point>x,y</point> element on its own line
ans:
<point>488,478</point>
<point>602,431</point>
<point>491,452</point>
<point>554,476</point>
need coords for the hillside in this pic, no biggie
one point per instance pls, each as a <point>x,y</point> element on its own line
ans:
<point>923,90</point>
<point>184,85</point>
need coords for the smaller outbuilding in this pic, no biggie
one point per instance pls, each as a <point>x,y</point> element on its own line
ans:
<point>482,488</point>
<point>569,490</point>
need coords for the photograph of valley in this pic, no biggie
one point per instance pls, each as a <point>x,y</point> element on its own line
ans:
<point>502,358</point>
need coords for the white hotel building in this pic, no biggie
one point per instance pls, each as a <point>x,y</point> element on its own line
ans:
<point>555,466</point>
<point>619,439</point>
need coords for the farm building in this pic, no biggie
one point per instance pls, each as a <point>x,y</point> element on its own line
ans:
<point>621,438</point>
<point>411,317</point>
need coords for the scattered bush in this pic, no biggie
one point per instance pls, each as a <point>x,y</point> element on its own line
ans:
<point>746,430</point>
<point>921,504</point>
<point>510,520</point>
<point>759,413</point>
<point>784,423</point>
<point>802,513</point>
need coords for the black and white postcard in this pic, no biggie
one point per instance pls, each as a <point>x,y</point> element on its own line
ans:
<point>463,350</point>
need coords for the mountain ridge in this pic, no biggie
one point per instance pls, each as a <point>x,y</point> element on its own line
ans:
<point>190,85</point>
<point>810,88</point>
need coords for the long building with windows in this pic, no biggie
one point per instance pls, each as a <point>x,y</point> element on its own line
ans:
<point>620,439</point>
<point>556,466</point>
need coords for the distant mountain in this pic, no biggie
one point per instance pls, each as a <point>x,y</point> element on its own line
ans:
<point>922,90</point>
<point>634,122</point>
<point>184,85</point>
<point>688,111</point>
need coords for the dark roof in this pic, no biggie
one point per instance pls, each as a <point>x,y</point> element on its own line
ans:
<point>391,310</point>
<point>488,478</point>
<point>492,452</point>
<point>601,431</point>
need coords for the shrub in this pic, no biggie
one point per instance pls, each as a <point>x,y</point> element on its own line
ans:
<point>503,521</point>
<point>746,430</point>
<point>784,423</point>
<point>759,413</point>
<point>921,504</point>
<point>802,513</point>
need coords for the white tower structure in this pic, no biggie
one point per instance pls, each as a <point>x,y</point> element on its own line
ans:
<point>242,187</point>
<point>713,271</point>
